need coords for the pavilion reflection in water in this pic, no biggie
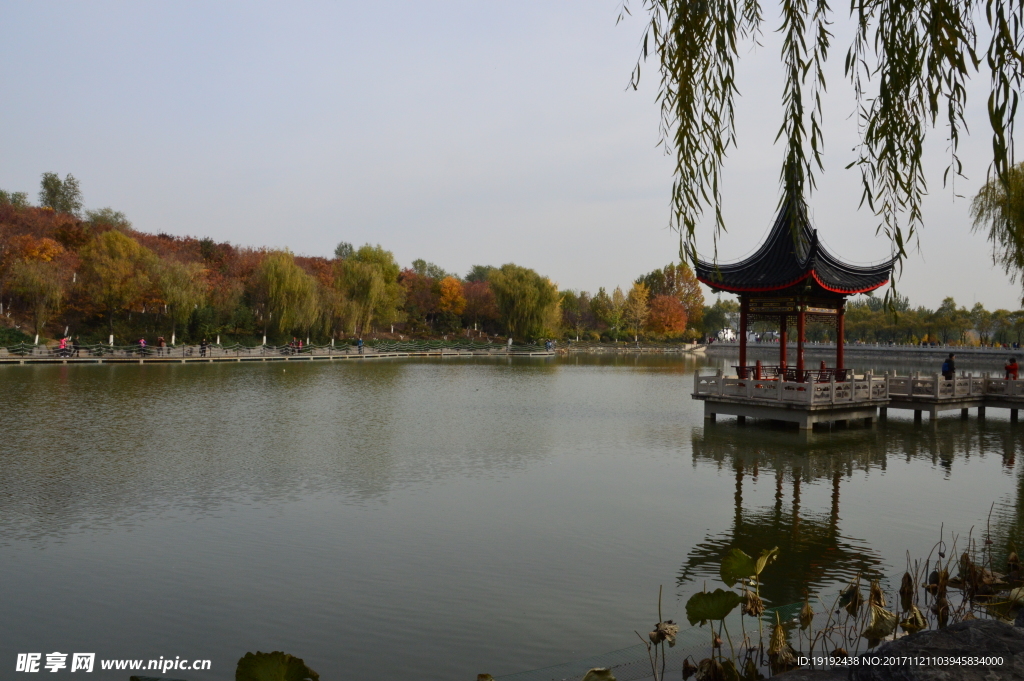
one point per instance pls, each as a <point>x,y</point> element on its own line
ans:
<point>814,552</point>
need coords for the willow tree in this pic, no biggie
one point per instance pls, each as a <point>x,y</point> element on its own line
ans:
<point>366,290</point>
<point>999,209</point>
<point>286,294</point>
<point>183,287</point>
<point>909,63</point>
<point>524,298</point>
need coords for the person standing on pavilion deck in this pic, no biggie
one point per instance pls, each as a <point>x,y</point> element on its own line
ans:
<point>949,367</point>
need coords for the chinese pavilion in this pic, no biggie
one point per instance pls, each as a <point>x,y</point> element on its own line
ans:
<point>792,276</point>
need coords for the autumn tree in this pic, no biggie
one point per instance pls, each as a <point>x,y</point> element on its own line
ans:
<point>637,308</point>
<point>677,280</point>
<point>481,307</point>
<point>40,284</point>
<point>63,196</point>
<point>183,288</point>
<point>117,272</point>
<point>667,316</point>
<point>451,302</point>
<point>524,298</point>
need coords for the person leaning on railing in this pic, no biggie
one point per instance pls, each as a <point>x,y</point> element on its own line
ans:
<point>1011,369</point>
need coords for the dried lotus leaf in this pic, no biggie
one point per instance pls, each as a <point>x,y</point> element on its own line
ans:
<point>710,669</point>
<point>914,622</point>
<point>875,594</point>
<point>778,640</point>
<point>752,604</point>
<point>881,623</point>
<point>806,613</point>
<point>851,598</point>
<point>906,591</point>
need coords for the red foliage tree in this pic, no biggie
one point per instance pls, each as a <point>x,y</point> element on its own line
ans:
<point>667,316</point>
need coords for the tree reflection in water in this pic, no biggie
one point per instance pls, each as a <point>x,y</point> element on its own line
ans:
<point>814,551</point>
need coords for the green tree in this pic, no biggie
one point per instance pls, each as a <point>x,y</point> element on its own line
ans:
<point>982,321</point>
<point>183,288</point>
<point>286,294</point>
<point>610,310</point>
<point>387,306</point>
<point>344,251</point>
<point>41,285</point>
<point>576,311</point>
<point>716,317</point>
<point>16,199</point>
<point>525,300</point>
<point>479,273</point>
<point>116,271</point>
<point>429,269</point>
<point>108,217</point>
<point>62,196</point>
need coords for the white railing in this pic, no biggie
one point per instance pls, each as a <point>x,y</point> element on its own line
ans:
<point>863,388</point>
<point>858,389</point>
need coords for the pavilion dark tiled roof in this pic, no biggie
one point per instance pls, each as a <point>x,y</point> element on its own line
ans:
<point>782,262</point>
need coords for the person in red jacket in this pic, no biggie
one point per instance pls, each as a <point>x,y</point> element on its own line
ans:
<point>1011,369</point>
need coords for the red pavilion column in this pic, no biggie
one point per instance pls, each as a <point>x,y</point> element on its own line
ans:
<point>782,341</point>
<point>744,306</point>
<point>840,332</point>
<point>800,342</point>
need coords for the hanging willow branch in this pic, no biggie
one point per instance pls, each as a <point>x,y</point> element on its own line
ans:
<point>909,64</point>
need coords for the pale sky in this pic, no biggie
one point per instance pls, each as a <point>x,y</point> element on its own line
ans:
<point>458,132</point>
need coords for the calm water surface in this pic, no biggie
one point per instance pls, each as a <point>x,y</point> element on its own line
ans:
<point>436,519</point>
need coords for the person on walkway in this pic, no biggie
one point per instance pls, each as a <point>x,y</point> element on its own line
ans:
<point>949,367</point>
<point>1011,369</point>
<point>142,347</point>
<point>161,344</point>
<point>77,348</point>
<point>359,344</point>
<point>202,348</point>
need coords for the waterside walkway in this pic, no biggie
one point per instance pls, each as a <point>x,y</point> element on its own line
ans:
<point>29,354</point>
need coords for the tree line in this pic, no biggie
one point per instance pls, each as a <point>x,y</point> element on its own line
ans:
<point>89,273</point>
<point>871,319</point>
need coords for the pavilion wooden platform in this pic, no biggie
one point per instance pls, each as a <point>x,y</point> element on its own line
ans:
<point>865,398</point>
<point>803,403</point>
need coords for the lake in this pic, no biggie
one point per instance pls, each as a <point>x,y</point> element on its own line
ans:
<point>434,519</point>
